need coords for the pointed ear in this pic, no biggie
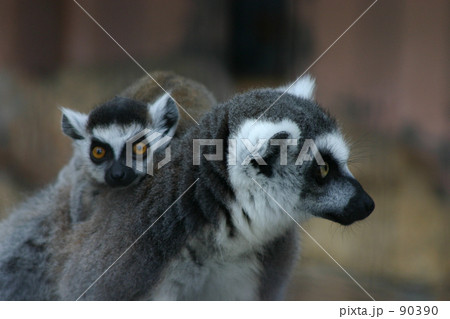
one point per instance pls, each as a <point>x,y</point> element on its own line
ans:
<point>303,87</point>
<point>275,153</point>
<point>74,124</point>
<point>164,114</point>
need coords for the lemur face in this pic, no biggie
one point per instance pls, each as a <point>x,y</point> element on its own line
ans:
<point>300,163</point>
<point>330,190</point>
<point>100,138</point>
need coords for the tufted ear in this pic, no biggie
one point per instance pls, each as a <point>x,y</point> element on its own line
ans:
<point>73,124</point>
<point>164,114</point>
<point>303,87</point>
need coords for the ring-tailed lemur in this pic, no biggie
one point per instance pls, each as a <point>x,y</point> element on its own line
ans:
<point>99,139</point>
<point>210,231</point>
<point>33,232</point>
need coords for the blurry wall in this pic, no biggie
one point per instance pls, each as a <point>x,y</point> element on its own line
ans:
<point>407,44</point>
<point>43,35</point>
<point>395,61</point>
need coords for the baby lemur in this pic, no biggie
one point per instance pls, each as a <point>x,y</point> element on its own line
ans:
<point>29,235</point>
<point>100,138</point>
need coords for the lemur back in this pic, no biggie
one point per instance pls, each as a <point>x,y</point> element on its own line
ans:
<point>191,96</point>
<point>24,241</point>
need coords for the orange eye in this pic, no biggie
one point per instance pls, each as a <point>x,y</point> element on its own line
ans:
<point>324,169</point>
<point>98,152</point>
<point>140,148</point>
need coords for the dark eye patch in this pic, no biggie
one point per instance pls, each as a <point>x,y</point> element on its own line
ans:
<point>109,154</point>
<point>334,172</point>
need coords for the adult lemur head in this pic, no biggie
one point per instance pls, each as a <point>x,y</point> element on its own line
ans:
<point>271,162</point>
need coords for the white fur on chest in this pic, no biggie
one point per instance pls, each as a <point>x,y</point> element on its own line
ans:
<point>213,279</point>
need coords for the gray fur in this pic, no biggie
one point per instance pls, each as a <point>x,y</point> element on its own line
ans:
<point>278,261</point>
<point>26,235</point>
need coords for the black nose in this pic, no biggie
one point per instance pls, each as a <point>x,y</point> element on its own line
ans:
<point>359,207</point>
<point>117,172</point>
<point>119,175</point>
<point>369,204</point>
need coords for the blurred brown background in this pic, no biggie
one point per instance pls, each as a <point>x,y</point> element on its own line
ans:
<point>386,80</point>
